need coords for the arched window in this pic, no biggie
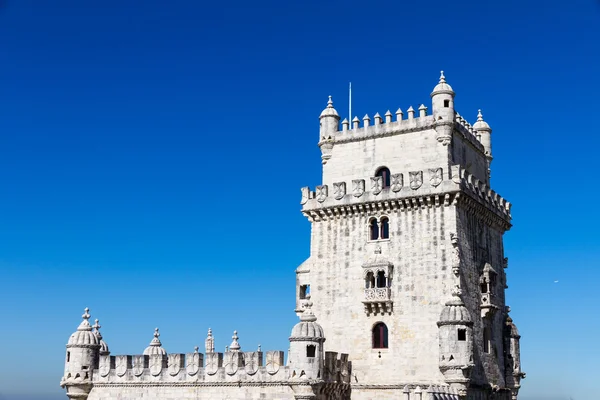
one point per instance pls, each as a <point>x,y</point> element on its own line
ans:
<point>311,350</point>
<point>373,229</point>
<point>385,228</point>
<point>384,173</point>
<point>380,336</point>
<point>381,279</point>
<point>370,281</point>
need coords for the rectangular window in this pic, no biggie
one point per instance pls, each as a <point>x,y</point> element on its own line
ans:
<point>304,291</point>
<point>462,335</point>
<point>446,103</point>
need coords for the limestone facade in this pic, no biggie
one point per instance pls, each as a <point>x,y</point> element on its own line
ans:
<point>406,275</point>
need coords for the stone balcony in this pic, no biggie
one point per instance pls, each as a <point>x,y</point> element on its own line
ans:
<point>378,301</point>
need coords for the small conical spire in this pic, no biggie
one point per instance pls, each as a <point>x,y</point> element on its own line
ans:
<point>209,344</point>
<point>330,103</point>
<point>235,346</point>
<point>96,328</point>
<point>479,115</point>
<point>156,341</point>
<point>442,77</point>
<point>307,315</point>
<point>196,348</point>
<point>85,324</point>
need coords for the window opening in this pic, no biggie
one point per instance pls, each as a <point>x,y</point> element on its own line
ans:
<point>370,281</point>
<point>311,350</point>
<point>381,280</point>
<point>373,229</point>
<point>304,291</point>
<point>385,228</point>
<point>384,173</point>
<point>446,103</point>
<point>68,356</point>
<point>486,339</point>
<point>380,336</point>
<point>462,335</point>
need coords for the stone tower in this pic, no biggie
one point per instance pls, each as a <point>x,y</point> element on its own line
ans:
<point>407,266</point>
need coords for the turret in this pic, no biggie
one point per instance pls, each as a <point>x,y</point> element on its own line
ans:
<point>442,104</point>
<point>456,343</point>
<point>306,347</point>
<point>82,358</point>
<point>512,357</point>
<point>329,123</point>
<point>484,133</point>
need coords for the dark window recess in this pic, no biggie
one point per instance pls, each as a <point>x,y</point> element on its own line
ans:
<point>370,281</point>
<point>311,350</point>
<point>486,340</point>
<point>462,335</point>
<point>373,229</point>
<point>68,356</point>
<point>384,173</point>
<point>304,291</point>
<point>385,228</point>
<point>380,336</point>
<point>446,103</point>
<point>381,280</point>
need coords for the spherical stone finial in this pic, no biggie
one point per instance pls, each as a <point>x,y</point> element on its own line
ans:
<point>235,346</point>
<point>155,346</point>
<point>196,348</point>
<point>259,348</point>
<point>85,324</point>
<point>307,315</point>
<point>330,102</point>
<point>442,77</point>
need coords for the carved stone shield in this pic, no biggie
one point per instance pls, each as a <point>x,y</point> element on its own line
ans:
<point>138,365</point>
<point>376,184</point>
<point>121,365</point>
<point>358,187</point>
<point>321,193</point>
<point>305,194</point>
<point>339,190</point>
<point>174,364</point>
<point>212,363</point>
<point>193,363</point>
<point>397,182</point>
<point>416,179</point>
<point>274,359</point>
<point>435,176</point>
<point>104,365</point>
<point>231,362</point>
<point>156,364</point>
<point>252,362</point>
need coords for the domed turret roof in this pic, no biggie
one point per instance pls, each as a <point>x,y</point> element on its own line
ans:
<point>442,86</point>
<point>84,336</point>
<point>512,328</point>
<point>455,312</point>
<point>307,329</point>
<point>329,111</point>
<point>481,125</point>
<point>155,346</point>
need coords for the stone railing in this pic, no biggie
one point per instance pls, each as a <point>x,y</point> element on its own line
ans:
<point>377,294</point>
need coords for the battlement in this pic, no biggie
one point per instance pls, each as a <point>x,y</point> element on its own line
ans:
<point>232,366</point>
<point>407,190</point>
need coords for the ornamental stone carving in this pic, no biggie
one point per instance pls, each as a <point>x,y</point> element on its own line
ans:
<point>156,364</point>
<point>213,362</point>
<point>122,362</point>
<point>175,363</point>
<point>252,361</point>
<point>305,195</point>
<point>435,176</point>
<point>397,182</point>
<point>358,187</point>
<point>274,361</point>
<point>339,190</point>
<point>416,179</point>
<point>104,367</point>
<point>376,184</point>
<point>321,193</point>
<point>193,362</point>
<point>139,363</point>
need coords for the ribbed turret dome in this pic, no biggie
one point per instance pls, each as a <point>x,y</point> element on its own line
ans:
<point>455,312</point>
<point>155,346</point>
<point>329,111</point>
<point>84,336</point>
<point>442,86</point>
<point>481,125</point>
<point>308,328</point>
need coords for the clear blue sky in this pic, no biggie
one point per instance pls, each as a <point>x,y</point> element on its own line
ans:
<point>151,155</point>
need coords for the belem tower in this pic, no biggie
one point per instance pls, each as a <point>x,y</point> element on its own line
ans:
<point>402,296</point>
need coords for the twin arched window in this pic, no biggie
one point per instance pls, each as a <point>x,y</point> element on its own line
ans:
<point>384,173</point>
<point>379,229</point>
<point>376,281</point>
<point>380,336</point>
